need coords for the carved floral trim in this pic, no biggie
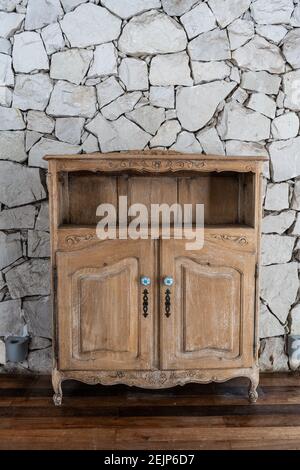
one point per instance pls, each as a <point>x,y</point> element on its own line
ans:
<point>240,240</point>
<point>72,240</point>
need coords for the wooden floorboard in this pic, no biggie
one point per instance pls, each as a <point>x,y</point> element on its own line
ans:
<point>214,416</point>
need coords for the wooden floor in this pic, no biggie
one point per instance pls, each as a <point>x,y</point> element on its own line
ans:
<point>215,416</point>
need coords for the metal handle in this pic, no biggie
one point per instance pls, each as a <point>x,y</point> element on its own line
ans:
<point>145,303</point>
<point>168,281</point>
<point>168,303</point>
<point>145,281</point>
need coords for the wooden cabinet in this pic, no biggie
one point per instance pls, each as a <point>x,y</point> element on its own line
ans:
<point>148,311</point>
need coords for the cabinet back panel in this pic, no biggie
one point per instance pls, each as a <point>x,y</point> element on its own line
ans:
<point>228,198</point>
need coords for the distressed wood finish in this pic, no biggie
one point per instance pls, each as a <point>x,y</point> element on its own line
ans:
<point>100,333</point>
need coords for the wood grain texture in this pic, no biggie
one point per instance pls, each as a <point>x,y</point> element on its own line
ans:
<point>215,416</point>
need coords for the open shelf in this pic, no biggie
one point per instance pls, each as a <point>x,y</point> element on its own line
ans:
<point>228,197</point>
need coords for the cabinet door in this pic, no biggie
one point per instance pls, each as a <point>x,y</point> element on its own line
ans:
<point>101,322</point>
<point>211,317</point>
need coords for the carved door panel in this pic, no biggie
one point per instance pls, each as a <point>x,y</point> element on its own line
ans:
<point>101,319</point>
<point>210,320</point>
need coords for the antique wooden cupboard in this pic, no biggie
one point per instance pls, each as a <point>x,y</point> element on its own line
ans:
<point>148,312</point>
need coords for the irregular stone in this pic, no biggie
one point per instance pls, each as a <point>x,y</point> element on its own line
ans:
<point>296,196</point>
<point>9,23</point>
<point>210,142</point>
<point>5,46</point>
<point>10,248</point>
<point>90,144</point>
<point>272,33</point>
<point>29,278</point>
<point>5,96</point>
<point>89,25</point>
<point>269,326</point>
<point>237,148</point>
<point>11,322</point>
<point>105,61</point>
<point>49,147</point>
<point>37,343</point>
<point>228,10</point>
<point>279,286</point>
<point>239,32</point>
<point>53,38</point>
<point>38,244</point>
<point>40,122</point>
<point>166,135</point>
<point>40,362</point>
<point>170,69</point>
<point>42,220</point>
<point>213,45</point>
<point>240,96</point>
<point>121,134</point>
<point>9,5</point>
<point>69,130</point>
<point>295,20</point>
<point>134,74</point>
<point>32,92</point>
<point>171,114</point>
<point>108,91</point>
<point>68,99</point>
<point>209,71</point>
<point>18,218</point>
<point>162,96</point>
<point>69,5</point>
<point>272,11</point>
<point>148,117</point>
<point>177,8</point>
<point>295,320</point>
<point>261,81</point>
<point>198,20</point>
<point>29,53</point>
<point>285,126</point>
<point>235,75</point>
<point>239,123</point>
<point>71,65</point>
<point>277,197</point>
<point>291,89</point>
<point>31,138</point>
<point>296,228</point>
<point>259,54</point>
<point>278,223</point>
<point>6,72</point>
<point>285,158</point>
<point>40,13</point>
<point>276,249</point>
<point>121,105</point>
<point>205,97</point>
<point>19,185</point>
<point>273,357</point>
<point>263,104</point>
<point>150,33</point>
<point>128,8</point>
<point>291,45</point>
<point>12,146</point>
<point>187,143</point>
<point>11,119</point>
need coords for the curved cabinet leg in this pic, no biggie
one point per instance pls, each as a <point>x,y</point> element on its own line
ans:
<point>253,395</point>
<point>56,383</point>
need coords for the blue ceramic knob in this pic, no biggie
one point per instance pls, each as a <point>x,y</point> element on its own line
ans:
<point>168,281</point>
<point>145,281</point>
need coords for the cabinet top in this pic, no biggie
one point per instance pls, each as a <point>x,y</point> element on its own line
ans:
<point>150,154</point>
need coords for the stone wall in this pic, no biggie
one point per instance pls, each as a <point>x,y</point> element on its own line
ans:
<point>218,76</point>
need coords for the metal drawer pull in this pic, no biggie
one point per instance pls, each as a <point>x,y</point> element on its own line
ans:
<point>145,303</point>
<point>145,281</point>
<point>168,303</point>
<point>168,281</point>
